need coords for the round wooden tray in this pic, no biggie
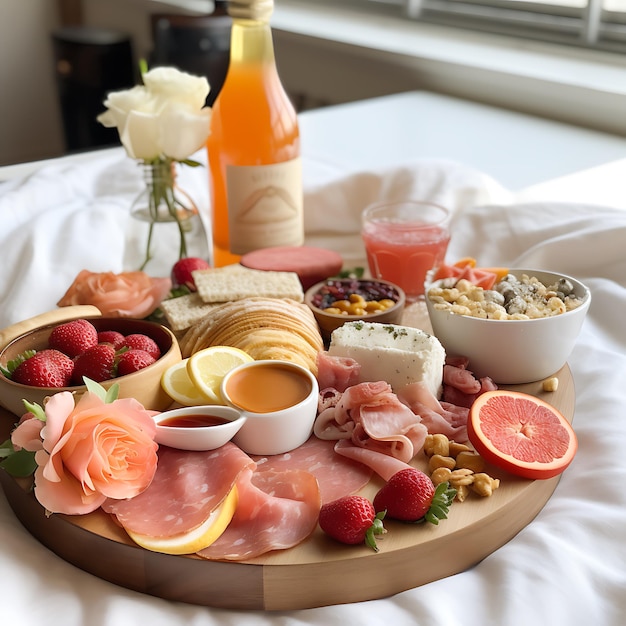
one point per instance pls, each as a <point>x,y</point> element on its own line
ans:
<point>319,571</point>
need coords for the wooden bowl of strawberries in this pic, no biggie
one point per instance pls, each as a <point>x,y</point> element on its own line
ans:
<point>55,351</point>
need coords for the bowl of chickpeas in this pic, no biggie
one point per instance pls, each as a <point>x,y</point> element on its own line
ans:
<point>335,301</point>
<point>521,330</point>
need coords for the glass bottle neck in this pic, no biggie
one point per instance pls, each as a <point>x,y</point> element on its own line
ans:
<point>251,42</point>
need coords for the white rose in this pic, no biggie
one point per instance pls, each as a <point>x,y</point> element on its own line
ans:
<point>164,117</point>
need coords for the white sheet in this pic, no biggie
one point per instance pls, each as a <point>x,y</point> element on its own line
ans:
<point>567,567</point>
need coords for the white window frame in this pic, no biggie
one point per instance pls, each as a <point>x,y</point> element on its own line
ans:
<point>588,27</point>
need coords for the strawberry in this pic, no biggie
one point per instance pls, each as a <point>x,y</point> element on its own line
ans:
<point>182,272</point>
<point>46,368</point>
<point>97,363</point>
<point>73,337</point>
<point>133,361</point>
<point>111,336</point>
<point>352,520</point>
<point>410,496</point>
<point>138,341</point>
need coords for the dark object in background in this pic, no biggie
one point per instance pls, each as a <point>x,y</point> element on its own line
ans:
<point>197,44</point>
<point>90,63</point>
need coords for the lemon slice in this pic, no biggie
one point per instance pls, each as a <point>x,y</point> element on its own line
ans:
<point>198,538</point>
<point>206,368</point>
<point>178,386</point>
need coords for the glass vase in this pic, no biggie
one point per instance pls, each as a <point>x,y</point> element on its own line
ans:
<point>164,225</point>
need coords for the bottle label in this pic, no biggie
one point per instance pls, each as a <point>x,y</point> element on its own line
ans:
<point>265,206</point>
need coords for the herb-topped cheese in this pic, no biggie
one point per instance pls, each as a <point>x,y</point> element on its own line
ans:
<point>398,354</point>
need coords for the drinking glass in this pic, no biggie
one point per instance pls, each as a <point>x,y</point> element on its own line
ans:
<point>404,240</point>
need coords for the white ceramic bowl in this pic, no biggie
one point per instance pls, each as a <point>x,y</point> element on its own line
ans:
<point>270,431</point>
<point>198,437</point>
<point>513,351</point>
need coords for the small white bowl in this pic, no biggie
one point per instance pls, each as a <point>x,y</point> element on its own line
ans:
<point>198,437</point>
<point>273,429</point>
<point>513,351</point>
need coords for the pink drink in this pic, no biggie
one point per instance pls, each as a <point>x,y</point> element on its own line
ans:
<point>401,249</point>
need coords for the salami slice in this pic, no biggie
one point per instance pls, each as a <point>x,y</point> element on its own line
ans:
<point>186,487</point>
<point>311,264</point>
<point>337,476</point>
<point>276,510</point>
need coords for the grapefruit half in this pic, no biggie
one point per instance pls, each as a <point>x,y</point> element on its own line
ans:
<point>521,434</point>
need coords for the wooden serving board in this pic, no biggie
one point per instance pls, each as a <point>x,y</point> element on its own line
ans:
<point>318,572</point>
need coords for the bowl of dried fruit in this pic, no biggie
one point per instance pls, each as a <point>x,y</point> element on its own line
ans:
<point>54,356</point>
<point>335,301</point>
<point>519,330</point>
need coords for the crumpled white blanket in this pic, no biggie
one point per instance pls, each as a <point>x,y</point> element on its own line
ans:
<point>568,566</point>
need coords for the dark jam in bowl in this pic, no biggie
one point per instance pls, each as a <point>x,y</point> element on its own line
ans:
<point>193,421</point>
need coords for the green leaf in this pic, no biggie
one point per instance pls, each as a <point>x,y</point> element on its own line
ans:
<point>442,500</point>
<point>112,394</point>
<point>6,449</point>
<point>20,464</point>
<point>35,409</point>
<point>95,388</point>
<point>8,369</point>
<point>356,272</point>
<point>191,163</point>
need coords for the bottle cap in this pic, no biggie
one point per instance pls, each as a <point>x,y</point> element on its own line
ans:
<point>251,9</point>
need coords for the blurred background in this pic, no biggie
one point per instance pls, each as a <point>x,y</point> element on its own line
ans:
<point>559,59</point>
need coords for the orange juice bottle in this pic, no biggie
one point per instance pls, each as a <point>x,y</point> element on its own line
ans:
<point>254,145</point>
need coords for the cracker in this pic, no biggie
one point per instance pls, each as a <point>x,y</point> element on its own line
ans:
<point>238,282</point>
<point>185,311</point>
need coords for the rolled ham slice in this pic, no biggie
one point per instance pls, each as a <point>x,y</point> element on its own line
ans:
<point>186,487</point>
<point>372,416</point>
<point>337,372</point>
<point>438,417</point>
<point>276,510</point>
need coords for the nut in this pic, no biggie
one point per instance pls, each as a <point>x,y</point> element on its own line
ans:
<point>470,460</point>
<point>437,460</point>
<point>441,475</point>
<point>484,485</point>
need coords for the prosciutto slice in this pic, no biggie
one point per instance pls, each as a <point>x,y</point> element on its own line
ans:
<point>438,417</point>
<point>276,510</point>
<point>383,464</point>
<point>186,487</point>
<point>372,416</point>
<point>337,372</point>
<point>337,476</point>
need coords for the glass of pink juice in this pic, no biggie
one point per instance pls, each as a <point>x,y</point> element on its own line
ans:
<point>404,240</point>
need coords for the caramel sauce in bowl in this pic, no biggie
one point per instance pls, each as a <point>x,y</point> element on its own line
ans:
<point>278,399</point>
<point>198,427</point>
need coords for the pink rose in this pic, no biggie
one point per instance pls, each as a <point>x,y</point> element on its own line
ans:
<point>90,451</point>
<point>129,294</point>
<point>27,435</point>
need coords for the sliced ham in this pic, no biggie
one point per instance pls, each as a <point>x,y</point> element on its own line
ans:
<point>276,510</point>
<point>461,379</point>
<point>186,487</point>
<point>338,372</point>
<point>337,476</point>
<point>328,397</point>
<point>438,417</point>
<point>372,416</point>
<point>383,464</point>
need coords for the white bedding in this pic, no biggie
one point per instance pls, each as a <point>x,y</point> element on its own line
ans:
<point>567,567</point>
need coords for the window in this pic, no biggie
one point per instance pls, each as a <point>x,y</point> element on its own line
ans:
<point>598,24</point>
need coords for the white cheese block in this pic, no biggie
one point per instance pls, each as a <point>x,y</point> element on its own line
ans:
<point>398,354</point>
